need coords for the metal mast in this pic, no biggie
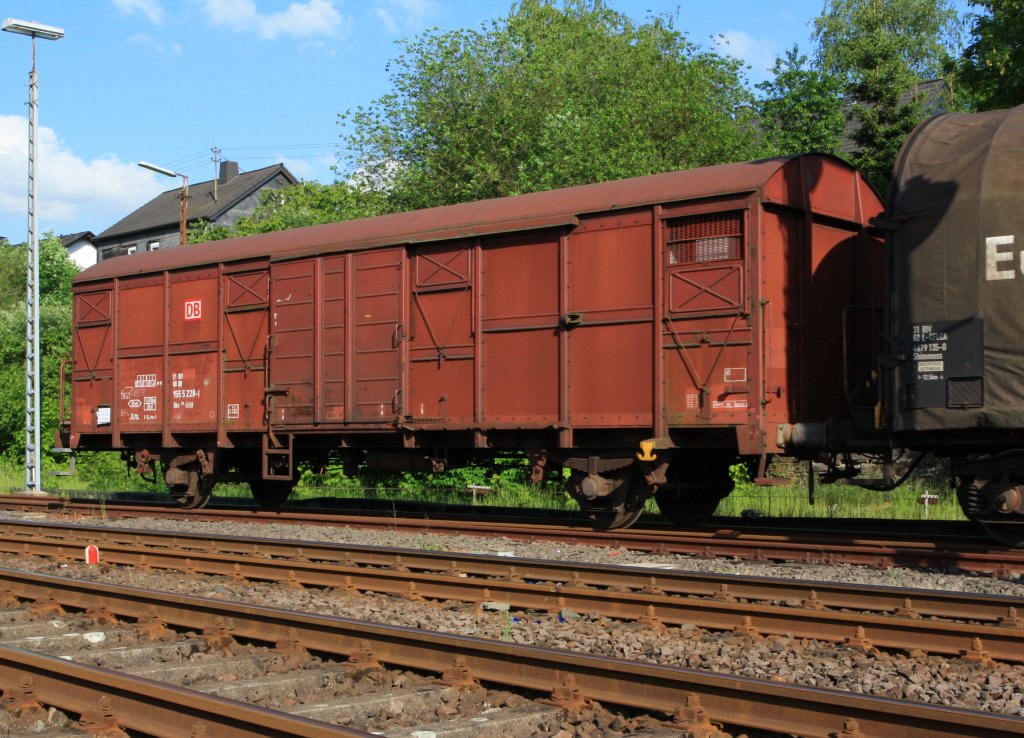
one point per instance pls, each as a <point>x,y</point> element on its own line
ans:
<point>33,461</point>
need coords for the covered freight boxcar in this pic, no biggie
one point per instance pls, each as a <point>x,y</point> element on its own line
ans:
<point>957,312</point>
<point>644,334</point>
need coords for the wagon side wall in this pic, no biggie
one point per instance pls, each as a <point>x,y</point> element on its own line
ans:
<point>706,320</point>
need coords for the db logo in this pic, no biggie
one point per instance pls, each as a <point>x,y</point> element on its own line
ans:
<point>193,309</point>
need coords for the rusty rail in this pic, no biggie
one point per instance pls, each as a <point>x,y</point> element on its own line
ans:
<point>927,603</point>
<point>752,703</point>
<point>150,707</point>
<point>667,596</point>
<point>798,546</point>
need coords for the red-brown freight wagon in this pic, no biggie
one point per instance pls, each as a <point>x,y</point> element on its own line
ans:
<point>645,333</point>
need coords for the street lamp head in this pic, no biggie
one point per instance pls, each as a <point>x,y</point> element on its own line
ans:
<point>158,169</point>
<point>183,234</point>
<point>31,28</point>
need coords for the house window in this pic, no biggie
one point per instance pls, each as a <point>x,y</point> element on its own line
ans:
<point>153,246</point>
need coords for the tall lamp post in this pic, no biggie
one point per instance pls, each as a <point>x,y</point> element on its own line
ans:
<point>183,235</point>
<point>33,461</point>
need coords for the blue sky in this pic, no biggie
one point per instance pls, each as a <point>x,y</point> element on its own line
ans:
<point>263,80</point>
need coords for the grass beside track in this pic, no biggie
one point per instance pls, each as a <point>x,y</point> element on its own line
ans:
<point>104,474</point>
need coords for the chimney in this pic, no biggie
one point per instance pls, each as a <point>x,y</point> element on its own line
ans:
<point>228,171</point>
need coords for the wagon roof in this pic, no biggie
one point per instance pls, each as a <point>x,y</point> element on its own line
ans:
<point>499,215</point>
<point>953,166</point>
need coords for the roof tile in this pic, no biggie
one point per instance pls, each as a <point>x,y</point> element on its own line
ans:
<point>165,209</point>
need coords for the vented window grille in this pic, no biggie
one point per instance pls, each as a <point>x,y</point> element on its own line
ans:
<point>702,238</point>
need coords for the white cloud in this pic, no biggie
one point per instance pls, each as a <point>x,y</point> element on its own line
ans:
<point>146,40</point>
<point>315,48</point>
<point>408,15</point>
<point>152,9</point>
<point>300,19</point>
<point>758,53</point>
<point>301,168</point>
<point>74,194</point>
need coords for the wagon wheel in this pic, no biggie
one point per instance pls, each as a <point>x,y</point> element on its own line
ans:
<point>689,508</point>
<point>1007,529</point>
<point>614,519</point>
<point>270,493</point>
<point>695,493</point>
<point>1008,532</point>
<point>196,493</point>
<point>621,509</point>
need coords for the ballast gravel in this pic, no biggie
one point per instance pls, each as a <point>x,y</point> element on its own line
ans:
<point>1012,585</point>
<point>950,581</point>
<point>931,679</point>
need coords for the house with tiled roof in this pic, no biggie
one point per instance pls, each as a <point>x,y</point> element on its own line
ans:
<point>221,201</point>
<point>81,248</point>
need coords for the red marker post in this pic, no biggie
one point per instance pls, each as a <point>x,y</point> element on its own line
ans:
<point>92,554</point>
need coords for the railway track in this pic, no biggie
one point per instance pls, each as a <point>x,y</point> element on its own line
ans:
<point>809,547</point>
<point>133,674</point>
<point>945,623</point>
<point>686,699</point>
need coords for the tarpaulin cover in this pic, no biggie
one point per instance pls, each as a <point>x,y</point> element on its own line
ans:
<point>957,273</point>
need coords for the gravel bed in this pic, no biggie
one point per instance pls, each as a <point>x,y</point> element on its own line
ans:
<point>1012,585</point>
<point>931,679</point>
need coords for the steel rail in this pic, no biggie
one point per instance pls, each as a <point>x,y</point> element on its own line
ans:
<point>148,706</point>
<point>649,599</point>
<point>798,546</point>
<point>832,595</point>
<point>752,703</point>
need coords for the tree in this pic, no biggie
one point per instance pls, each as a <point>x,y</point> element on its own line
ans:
<point>553,95</point>
<point>54,346</point>
<point>991,70</point>
<point>56,270</point>
<point>12,274</point>
<point>307,203</point>
<point>882,50</point>
<point>802,109</point>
